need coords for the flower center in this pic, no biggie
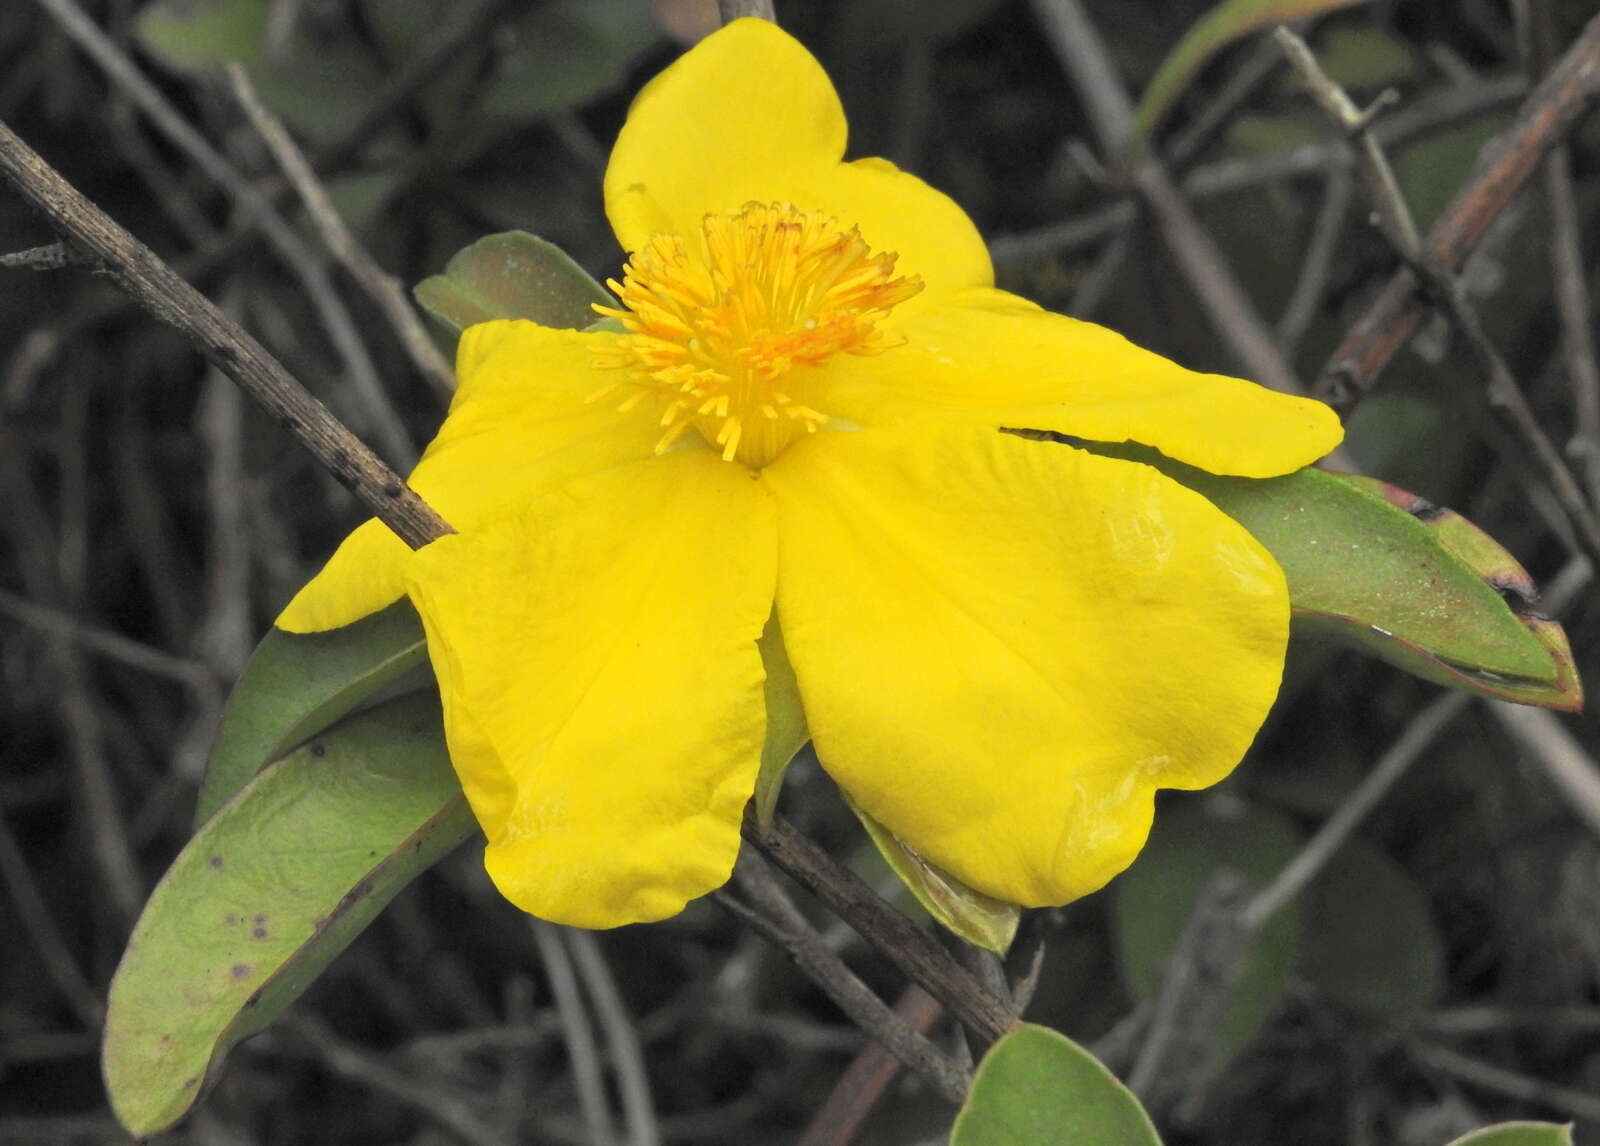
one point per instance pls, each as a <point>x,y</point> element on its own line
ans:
<point>722,341</point>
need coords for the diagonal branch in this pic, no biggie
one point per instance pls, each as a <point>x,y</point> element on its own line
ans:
<point>224,343</point>
<point>1504,166</point>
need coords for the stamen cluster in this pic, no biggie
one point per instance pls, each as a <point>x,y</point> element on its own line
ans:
<point>723,335</point>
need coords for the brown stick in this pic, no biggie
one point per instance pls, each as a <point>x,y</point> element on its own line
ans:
<point>868,1077</point>
<point>223,342</point>
<point>1505,164</point>
<point>911,948</point>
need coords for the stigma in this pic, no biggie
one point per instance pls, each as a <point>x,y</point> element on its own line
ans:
<point>725,336</point>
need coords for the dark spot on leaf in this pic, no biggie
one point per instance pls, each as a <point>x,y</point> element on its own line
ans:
<point>241,970</point>
<point>191,1083</point>
<point>230,919</point>
<point>166,1038</point>
<point>318,750</point>
<point>356,894</point>
<point>255,997</point>
<point>259,933</point>
<point>259,919</point>
<point>214,862</point>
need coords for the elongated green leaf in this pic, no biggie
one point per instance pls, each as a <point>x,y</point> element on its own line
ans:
<point>1220,26</point>
<point>1375,567</point>
<point>787,731</point>
<point>512,275</point>
<point>297,684</point>
<point>202,35</point>
<point>975,917</point>
<point>1518,1134</point>
<point>1389,972</point>
<point>1152,900</point>
<point>274,886</point>
<point>565,52</point>
<point>1037,1087</point>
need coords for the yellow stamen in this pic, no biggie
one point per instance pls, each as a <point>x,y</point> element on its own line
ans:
<point>776,292</point>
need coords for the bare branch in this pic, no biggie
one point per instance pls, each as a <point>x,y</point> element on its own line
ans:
<point>222,341</point>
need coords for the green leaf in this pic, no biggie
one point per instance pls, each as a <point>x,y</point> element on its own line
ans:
<point>512,275</point>
<point>1375,567</point>
<point>1036,1087</point>
<point>565,53</point>
<point>1518,1134</point>
<point>1388,972</point>
<point>787,731</point>
<point>1152,900</point>
<point>979,919</point>
<point>267,893</point>
<point>1217,28</point>
<point>297,684</point>
<point>202,35</point>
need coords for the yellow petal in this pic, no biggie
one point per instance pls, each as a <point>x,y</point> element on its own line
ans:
<point>520,424</point>
<point>602,687</point>
<point>748,115</point>
<point>999,360</point>
<point>1004,647</point>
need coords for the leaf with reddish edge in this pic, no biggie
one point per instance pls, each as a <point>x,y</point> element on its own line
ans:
<point>1488,560</point>
<point>1208,35</point>
<point>1518,1134</point>
<point>1036,1087</point>
<point>512,275</point>
<point>267,893</point>
<point>296,684</point>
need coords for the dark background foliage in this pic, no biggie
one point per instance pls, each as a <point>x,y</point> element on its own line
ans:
<point>1445,973</point>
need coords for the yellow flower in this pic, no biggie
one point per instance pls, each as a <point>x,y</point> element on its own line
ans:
<point>1003,646</point>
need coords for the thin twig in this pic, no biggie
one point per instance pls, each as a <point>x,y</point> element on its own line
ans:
<point>867,1079</point>
<point>222,341</point>
<point>50,257</point>
<point>1225,176</point>
<point>583,1052</point>
<point>36,923</point>
<point>1540,733</point>
<point>1570,1102</point>
<point>464,27</point>
<point>1576,309</point>
<point>1504,165</point>
<point>908,946</point>
<point>432,1102</point>
<point>117,647</point>
<point>1506,399</point>
<point>1312,281</point>
<point>383,288</point>
<point>1195,990</point>
<point>1394,217</point>
<point>731,10</point>
<point>622,1038</point>
<point>1084,57</point>
<point>329,309</point>
<point>774,917</point>
<point>1418,737</point>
